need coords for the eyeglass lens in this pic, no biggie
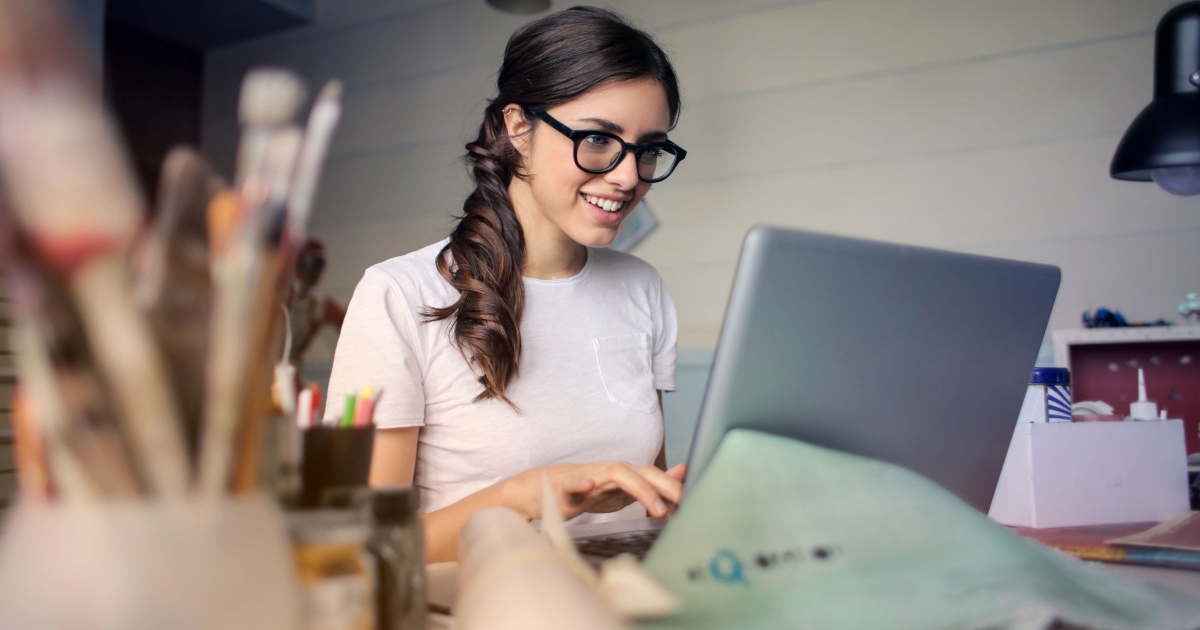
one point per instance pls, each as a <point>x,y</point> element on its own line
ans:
<point>600,153</point>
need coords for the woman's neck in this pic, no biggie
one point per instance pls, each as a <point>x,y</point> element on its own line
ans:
<point>549,258</point>
<point>549,253</point>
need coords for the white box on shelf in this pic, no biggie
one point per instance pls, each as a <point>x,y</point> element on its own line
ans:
<point>1066,474</point>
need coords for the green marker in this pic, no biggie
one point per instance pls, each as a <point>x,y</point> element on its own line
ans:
<point>348,414</point>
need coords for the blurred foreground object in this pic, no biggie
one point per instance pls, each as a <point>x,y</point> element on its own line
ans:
<point>172,282</point>
<point>74,202</point>
<point>398,544</point>
<point>783,534</point>
<point>511,577</point>
<point>144,352</point>
<point>190,565</point>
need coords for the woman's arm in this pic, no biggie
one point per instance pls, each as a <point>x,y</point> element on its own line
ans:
<point>394,457</point>
<point>393,462</point>
<point>602,487</point>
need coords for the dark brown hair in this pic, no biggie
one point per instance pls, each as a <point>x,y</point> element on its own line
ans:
<point>547,62</point>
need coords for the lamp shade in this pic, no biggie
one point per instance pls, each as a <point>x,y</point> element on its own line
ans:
<point>1163,142</point>
<point>520,6</point>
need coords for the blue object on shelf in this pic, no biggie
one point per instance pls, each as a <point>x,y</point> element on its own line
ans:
<point>1050,376</point>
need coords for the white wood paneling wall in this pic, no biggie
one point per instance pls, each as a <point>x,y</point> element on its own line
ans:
<point>972,125</point>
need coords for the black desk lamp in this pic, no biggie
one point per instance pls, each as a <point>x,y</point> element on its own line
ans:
<point>520,6</point>
<point>1163,143</point>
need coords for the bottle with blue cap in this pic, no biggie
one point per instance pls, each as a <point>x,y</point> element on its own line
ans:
<point>1048,398</point>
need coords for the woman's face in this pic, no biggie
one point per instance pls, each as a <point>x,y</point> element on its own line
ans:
<point>559,201</point>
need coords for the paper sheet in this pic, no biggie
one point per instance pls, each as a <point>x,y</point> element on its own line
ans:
<point>781,534</point>
<point>1181,532</point>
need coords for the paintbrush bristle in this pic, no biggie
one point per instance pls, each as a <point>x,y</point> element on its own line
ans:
<point>270,97</point>
<point>332,90</point>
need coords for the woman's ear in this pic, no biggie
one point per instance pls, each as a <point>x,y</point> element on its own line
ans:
<point>518,127</point>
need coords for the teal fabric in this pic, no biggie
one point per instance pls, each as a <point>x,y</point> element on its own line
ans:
<point>782,534</point>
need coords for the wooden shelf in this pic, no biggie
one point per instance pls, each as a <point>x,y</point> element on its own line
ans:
<point>1063,339</point>
<point>1104,365</point>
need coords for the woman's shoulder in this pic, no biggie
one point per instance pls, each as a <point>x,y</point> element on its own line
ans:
<point>415,271</point>
<point>611,261</point>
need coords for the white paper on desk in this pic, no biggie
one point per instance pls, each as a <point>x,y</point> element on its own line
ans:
<point>781,534</point>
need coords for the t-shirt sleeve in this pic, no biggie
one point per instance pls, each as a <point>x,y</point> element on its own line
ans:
<point>379,348</point>
<point>666,336</point>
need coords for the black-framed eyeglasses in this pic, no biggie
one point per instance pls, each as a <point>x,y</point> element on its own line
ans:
<point>599,152</point>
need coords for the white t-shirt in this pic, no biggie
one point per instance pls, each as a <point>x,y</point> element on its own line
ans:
<point>595,349</point>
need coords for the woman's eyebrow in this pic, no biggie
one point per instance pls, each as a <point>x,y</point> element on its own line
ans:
<point>610,126</point>
<point>606,125</point>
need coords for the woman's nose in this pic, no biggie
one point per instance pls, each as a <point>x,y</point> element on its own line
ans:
<point>625,175</point>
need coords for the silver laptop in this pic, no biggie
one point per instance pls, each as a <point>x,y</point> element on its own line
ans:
<point>909,355</point>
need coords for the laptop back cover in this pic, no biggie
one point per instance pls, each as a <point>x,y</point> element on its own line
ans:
<point>910,355</point>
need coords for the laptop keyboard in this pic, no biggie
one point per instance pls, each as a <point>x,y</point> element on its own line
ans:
<point>633,543</point>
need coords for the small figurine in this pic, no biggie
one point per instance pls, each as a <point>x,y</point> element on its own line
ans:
<point>308,311</point>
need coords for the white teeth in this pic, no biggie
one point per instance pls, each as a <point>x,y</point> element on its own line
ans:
<point>608,205</point>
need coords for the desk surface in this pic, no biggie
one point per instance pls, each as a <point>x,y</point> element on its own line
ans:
<point>443,584</point>
<point>1182,581</point>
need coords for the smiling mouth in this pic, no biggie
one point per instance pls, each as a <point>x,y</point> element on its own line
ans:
<point>607,205</point>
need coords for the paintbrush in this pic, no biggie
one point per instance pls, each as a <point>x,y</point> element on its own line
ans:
<point>29,451</point>
<point>73,194</point>
<point>322,121</point>
<point>268,105</point>
<point>43,413</point>
<point>269,100</point>
<point>37,434</point>
<point>66,404</point>
<point>265,341</point>
<point>300,190</point>
<point>172,281</point>
<point>178,235</point>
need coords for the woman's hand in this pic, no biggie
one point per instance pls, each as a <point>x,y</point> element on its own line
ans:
<point>602,487</point>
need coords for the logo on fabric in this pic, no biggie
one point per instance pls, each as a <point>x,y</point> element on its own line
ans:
<point>729,568</point>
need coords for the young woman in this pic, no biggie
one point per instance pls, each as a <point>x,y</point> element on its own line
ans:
<point>520,347</point>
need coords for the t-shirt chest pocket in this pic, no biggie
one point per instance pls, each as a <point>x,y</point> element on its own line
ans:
<point>624,362</point>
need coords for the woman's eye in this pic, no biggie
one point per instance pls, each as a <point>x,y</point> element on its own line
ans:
<point>597,141</point>
<point>651,155</point>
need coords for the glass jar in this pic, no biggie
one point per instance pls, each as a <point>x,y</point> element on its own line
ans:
<point>336,571</point>
<point>398,544</point>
